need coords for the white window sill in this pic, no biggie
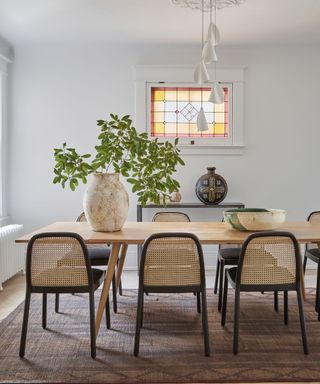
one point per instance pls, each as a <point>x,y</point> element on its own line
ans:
<point>198,149</point>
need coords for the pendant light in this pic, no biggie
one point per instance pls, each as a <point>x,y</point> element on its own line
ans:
<point>201,76</point>
<point>217,94</point>
<point>213,38</point>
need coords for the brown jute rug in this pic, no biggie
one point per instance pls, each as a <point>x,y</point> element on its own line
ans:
<point>171,349</point>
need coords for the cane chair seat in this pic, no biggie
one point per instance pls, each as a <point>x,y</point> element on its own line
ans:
<point>269,261</point>
<point>171,263</point>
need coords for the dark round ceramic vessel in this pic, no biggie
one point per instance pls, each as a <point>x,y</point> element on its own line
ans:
<point>211,188</point>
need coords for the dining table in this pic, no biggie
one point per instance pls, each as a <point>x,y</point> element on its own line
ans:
<point>135,233</point>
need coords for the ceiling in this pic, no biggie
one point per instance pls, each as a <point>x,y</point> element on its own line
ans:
<point>255,22</point>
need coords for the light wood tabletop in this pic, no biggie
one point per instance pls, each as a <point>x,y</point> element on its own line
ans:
<point>138,232</point>
<point>207,232</point>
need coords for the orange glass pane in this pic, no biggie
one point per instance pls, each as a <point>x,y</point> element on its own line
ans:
<point>183,129</point>
<point>171,129</point>
<point>183,95</point>
<point>219,118</point>
<point>158,106</point>
<point>195,95</point>
<point>158,117</point>
<point>170,95</point>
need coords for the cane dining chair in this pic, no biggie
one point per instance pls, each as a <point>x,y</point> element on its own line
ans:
<point>58,263</point>
<point>171,216</point>
<point>171,263</point>
<point>99,257</point>
<point>269,261</point>
<point>312,252</point>
<point>176,217</point>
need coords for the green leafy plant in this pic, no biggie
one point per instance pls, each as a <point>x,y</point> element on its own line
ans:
<point>147,164</point>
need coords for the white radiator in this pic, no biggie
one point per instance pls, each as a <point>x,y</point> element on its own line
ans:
<point>12,255</point>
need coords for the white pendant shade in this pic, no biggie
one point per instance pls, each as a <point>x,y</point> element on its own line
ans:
<point>202,124</point>
<point>213,34</point>
<point>217,94</point>
<point>209,53</point>
<point>201,74</point>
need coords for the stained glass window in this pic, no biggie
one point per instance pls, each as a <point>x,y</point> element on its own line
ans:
<point>174,112</point>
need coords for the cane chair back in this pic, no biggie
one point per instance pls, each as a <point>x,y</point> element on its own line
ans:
<point>269,259</point>
<point>171,217</point>
<point>172,260</point>
<point>57,260</point>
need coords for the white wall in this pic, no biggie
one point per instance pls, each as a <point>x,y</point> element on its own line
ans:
<point>58,92</point>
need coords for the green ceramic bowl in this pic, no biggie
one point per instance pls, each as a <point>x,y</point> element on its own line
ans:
<point>255,219</point>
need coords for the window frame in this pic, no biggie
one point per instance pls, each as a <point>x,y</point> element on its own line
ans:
<point>183,74</point>
<point>211,141</point>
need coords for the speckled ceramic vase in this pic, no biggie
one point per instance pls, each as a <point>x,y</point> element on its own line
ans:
<point>106,202</point>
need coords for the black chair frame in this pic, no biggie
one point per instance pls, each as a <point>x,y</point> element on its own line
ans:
<point>63,289</point>
<point>315,257</point>
<point>236,284</point>
<point>200,290</point>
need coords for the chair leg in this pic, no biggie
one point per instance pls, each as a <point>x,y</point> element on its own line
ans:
<point>108,321</point>
<point>142,304</point>
<point>92,325</point>
<point>304,263</point>
<point>217,277</point>
<point>317,289</point>
<point>205,324</point>
<point>138,322</point>
<point>114,294</point>
<point>225,298</point>
<point>236,321</point>
<point>276,301</point>
<point>220,285</point>
<point>285,307</point>
<point>302,322</point>
<point>25,323</point>
<point>56,304</point>
<point>198,302</point>
<point>44,310</point>
<point>120,288</point>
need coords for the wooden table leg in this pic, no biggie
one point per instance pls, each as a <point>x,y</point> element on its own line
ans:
<point>121,263</point>
<point>107,282</point>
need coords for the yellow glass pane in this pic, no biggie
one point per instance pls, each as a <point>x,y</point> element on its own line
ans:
<point>195,95</point>
<point>158,128</point>
<point>158,117</point>
<point>158,94</point>
<point>158,106</point>
<point>183,129</point>
<point>183,95</point>
<point>219,107</point>
<point>171,128</point>
<point>219,129</point>
<point>219,117</point>
<point>170,95</point>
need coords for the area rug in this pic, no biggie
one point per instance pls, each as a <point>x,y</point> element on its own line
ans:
<point>171,349</point>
